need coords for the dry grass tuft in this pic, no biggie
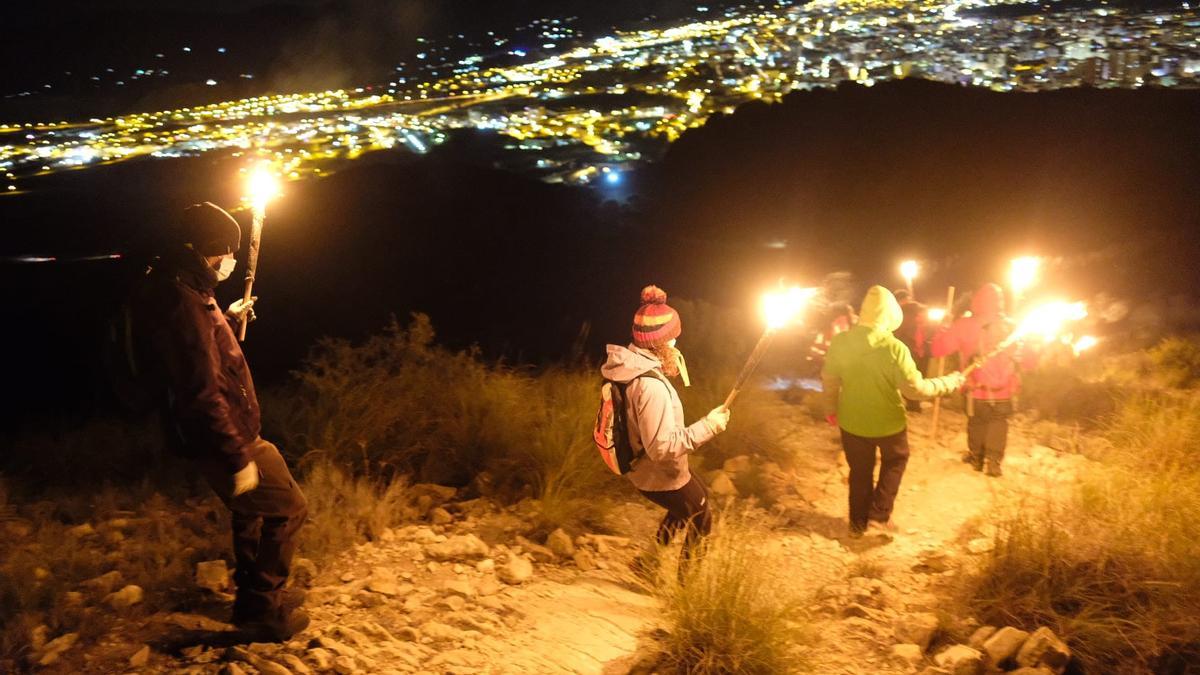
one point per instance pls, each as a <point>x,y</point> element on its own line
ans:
<point>731,612</point>
<point>1115,567</point>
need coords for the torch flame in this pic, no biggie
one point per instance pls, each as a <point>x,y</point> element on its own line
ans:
<point>782,307</point>
<point>1083,344</point>
<point>261,186</point>
<point>936,314</point>
<point>909,269</point>
<point>1023,273</point>
<point>1047,321</point>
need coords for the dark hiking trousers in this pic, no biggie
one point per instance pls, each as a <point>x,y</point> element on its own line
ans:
<point>871,499</point>
<point>265,522</point>
<point>687,508</point>
<point>987,433</point>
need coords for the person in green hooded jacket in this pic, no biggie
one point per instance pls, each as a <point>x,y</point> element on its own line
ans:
<point>868,373</point>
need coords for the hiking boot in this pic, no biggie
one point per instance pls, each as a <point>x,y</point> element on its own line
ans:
<point>975,462</point>
<point>993,470</point>
<point>856,532</point>
<point>888,526</point>
<point>274,627</point>
<point>289,599</point>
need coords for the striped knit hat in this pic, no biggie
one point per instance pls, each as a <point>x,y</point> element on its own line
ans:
<point>655,322</point>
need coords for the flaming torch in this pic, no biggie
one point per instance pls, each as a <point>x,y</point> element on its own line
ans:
<point>1023,274</point>
<point>780,309</point>
<point>261,187</point>
<point>1045,321</point>
<point>908,270</point>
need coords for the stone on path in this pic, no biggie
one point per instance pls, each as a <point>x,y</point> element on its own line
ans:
<point>981,636</point>
<point>140,658</point>
<point>960,660</point>
<point>126,597</point>
<point>515,571</point>
<point>560,543</point>
<point>1003,645</point>
<point>458,547</point>
<point>908,653</point>
<point>1043,648</point>
<point>54,648</point>
<point>918,628</point>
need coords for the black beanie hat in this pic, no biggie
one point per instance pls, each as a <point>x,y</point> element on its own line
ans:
<point>210,229</point>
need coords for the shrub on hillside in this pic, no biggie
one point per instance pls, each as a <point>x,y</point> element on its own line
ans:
<point>399,404</point>
<point>1114,567</point>
<point>1061,394</point>
<point>1177,361</point>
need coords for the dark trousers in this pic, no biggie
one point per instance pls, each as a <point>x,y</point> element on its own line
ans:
<point>265,523</point>
<point>870,499</point>
<point>687,509</point>
<point>987,432</point>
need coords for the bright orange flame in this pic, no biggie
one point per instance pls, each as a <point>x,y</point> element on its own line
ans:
<point>1084,343</point>
<point>909,269</point>
<point>1023,273</point>
<point>782,307</point>
<point>936,314</point>
<point>261,186</point>
<point>1047,321</point>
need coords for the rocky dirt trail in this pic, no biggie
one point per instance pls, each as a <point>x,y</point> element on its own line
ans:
<point>463,592</point>
<point>879,602</point>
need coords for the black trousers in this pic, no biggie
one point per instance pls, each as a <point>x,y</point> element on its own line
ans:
<point>687,509</point>
<point>265,523</point>
<point>987,432</point>
<point>871,499</point>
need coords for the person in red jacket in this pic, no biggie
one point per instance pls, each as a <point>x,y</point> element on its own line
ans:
<point>993,385</point>
<point>213,414</point>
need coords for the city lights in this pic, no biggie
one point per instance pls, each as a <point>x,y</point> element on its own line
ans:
<point>627,91</point>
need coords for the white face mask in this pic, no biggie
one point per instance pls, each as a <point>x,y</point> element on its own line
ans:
<point>226,268</point>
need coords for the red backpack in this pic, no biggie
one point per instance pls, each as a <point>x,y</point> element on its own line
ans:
<point>611,432</point>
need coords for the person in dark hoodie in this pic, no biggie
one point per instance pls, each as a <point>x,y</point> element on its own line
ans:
<point>994,384</point>
<point>866,371</point>
<point>213,414</point>
<point>913,334</point>
<point>656,422</point>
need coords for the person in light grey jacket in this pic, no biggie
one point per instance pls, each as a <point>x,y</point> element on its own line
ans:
<point>656,424</point>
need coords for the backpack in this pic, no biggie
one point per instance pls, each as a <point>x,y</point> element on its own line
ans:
<point>611,432</point>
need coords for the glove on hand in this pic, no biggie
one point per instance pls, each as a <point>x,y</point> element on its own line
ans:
<point>245,480</point>
<point>956,380</point>
<point>717,419</point>
<point>242,310</point>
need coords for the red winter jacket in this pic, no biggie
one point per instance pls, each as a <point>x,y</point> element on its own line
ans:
<point>999,377</point>
<point>211,403</point>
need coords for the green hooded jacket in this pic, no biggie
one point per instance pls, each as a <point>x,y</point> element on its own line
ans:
<point>867,369</point>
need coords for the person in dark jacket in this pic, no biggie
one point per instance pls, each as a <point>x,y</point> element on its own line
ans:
<point>913,334</point>
<point>213,414</point>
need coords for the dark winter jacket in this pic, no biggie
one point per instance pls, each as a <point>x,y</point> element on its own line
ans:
<point>212,408</point>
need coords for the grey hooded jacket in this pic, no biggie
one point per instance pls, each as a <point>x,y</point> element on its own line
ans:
<point>655,421</point>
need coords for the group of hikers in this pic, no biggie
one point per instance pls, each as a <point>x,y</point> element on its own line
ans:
<point>872,377</point>
<point>213,414</point>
